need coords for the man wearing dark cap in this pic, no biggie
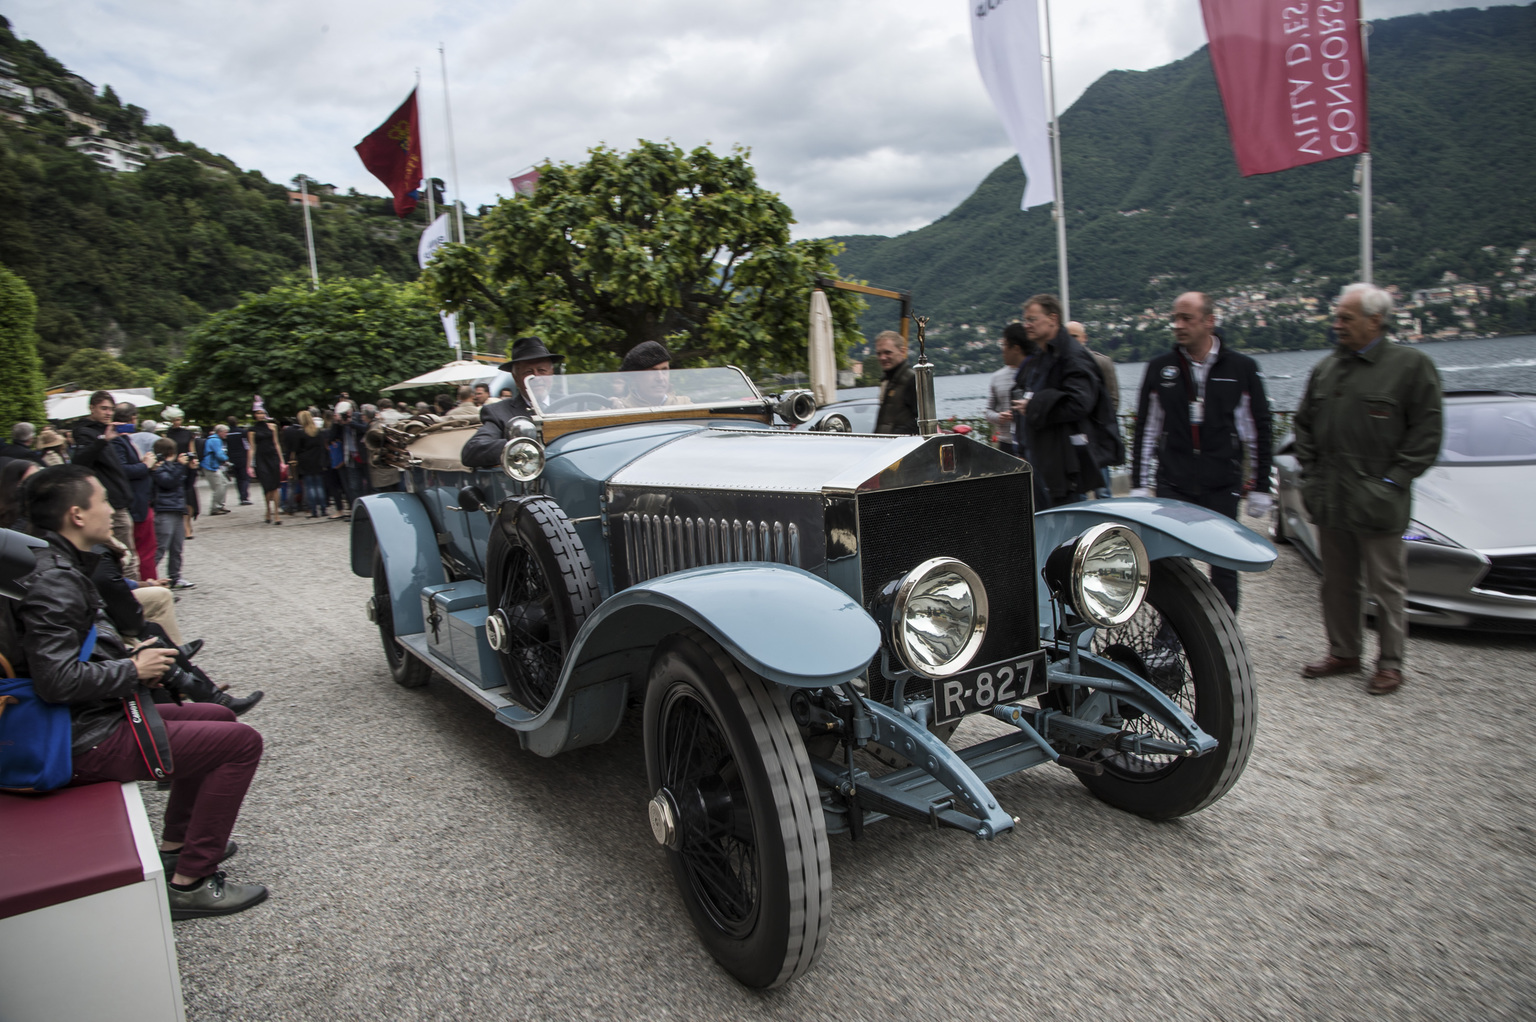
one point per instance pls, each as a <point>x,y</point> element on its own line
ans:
<point>651,384</point>
<point>529,359</point>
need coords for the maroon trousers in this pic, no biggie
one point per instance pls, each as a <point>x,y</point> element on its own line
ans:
<point>215,756</point>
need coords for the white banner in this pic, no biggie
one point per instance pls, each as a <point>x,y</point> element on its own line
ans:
<point>1006,37</point>
<point>433,238</point>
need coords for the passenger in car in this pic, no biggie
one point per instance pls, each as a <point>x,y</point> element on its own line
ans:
<point>649,380</point>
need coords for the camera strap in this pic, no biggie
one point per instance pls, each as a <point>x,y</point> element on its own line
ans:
<point>148,732</point>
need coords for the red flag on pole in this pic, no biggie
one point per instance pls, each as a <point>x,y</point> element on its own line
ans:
<point>393,155</point>
<point>1292,78</point>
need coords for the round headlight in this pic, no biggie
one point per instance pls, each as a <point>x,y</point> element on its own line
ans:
<point>836,422</point>
<point>523,459</point>
<point>520,425</point>
<point>1108,575</point>
<point>938,617</point>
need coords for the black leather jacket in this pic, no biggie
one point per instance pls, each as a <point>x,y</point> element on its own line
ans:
<point>59,606</point>
<point>483,450</point>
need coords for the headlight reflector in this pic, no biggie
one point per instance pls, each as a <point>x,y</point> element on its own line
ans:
<point>523,459</point>
<point>1103,574</point>
<point>520,425</point>
<point>938,617</point>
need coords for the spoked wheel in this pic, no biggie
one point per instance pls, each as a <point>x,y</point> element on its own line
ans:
<point>541,589</point>
<point>408,671</point>
<point>1185,641</point>
<point>737,809</point>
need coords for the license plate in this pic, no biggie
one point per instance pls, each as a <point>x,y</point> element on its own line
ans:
<point>985,687</point>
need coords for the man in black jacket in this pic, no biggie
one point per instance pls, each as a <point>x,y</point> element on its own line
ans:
<point>239,458</point>
<point>214,757</point>
<point>1053,420</point>
<point>898,386</point>
<point>529,359</point>
<point>96,448</point>
<point>1202,416</point>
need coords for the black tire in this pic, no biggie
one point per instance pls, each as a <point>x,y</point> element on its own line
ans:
<point>753,864</point>
<point>1186,641</point>
<point>538,578</point>
<point>407,671</point>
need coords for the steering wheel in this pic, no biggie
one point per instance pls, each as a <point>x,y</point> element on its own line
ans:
<point>582,401</point>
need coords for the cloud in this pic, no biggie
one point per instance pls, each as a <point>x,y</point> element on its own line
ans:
<point>866,117</point>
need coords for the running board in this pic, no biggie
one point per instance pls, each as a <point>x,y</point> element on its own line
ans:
<point>492,699</point>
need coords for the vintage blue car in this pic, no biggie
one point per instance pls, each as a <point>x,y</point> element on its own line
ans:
<point>804,618</point>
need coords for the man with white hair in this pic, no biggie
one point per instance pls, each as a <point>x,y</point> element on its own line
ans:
<point>22,436</point>
<point>214,462</point>
<point>1368,425</point>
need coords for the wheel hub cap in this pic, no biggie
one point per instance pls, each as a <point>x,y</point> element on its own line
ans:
<point>496,631</point>
<point>664,815</point>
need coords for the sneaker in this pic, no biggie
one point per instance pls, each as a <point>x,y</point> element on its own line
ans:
<point>182,583</point>
<point>214,896</point>
<point>245,503</point>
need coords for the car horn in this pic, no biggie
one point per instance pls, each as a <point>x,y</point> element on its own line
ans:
<point>795,406</point>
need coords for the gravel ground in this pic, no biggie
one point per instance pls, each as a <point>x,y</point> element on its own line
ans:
<point>1375,861</point>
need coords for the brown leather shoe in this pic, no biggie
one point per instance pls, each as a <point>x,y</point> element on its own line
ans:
<point>1384,682</point>
<point>1331,664</point>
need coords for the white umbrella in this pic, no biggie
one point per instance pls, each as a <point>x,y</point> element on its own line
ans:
<point>463,371</point>
<point>76,403</point>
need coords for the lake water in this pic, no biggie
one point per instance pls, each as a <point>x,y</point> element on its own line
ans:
<point>1496,363</point>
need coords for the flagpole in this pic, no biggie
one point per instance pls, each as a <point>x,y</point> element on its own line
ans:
<point>1059,213</point>
<point>1367,267</point>
<point>453,158</point>
<point>309,232</point>
<point>421,137</point>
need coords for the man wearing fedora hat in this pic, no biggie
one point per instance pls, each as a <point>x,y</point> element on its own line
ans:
<point>529,358</point>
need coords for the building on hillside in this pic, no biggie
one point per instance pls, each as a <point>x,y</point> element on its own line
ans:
<point>45,98</point>
<point>300,199</point>
<point>81,84</point>
<point>109,153</point>
<point>86,121</point>
<point>12,89</point>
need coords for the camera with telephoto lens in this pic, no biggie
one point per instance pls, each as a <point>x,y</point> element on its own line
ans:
<point>179,682</point>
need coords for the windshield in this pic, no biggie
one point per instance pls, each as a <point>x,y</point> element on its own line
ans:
<point>1489,432</point>
<point>575,393</point>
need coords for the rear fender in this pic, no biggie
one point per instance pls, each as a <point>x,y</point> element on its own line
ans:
<point>398,524</point>
<point>783,623</point>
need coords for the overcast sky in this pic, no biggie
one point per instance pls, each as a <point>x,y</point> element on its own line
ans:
<point>867,117</point>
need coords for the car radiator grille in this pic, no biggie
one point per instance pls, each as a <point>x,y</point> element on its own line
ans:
<point>660,544</point>
<point>986,523</point>
<point>1512,575</point>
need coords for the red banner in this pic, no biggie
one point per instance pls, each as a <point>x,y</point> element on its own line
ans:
<point>1292,78</point>
<point>393,155</point>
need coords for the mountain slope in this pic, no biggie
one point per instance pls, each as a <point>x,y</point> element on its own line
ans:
<point>1156,205</point>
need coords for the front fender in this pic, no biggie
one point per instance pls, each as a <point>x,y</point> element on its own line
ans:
<point>1168,528</point>
<point>398,524</point>
<point>785,624</point>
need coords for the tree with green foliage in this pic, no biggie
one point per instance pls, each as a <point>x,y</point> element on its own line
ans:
<point>656,244</point>
<point>94,369</point>
<point>297,346</point>
<point>21,371</point>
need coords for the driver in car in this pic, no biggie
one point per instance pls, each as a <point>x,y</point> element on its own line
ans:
<point>647,379</point>
<point>531,366</point>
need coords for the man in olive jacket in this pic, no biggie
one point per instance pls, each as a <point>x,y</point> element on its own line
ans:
<point>1369,424</point>
<point>898,386</point>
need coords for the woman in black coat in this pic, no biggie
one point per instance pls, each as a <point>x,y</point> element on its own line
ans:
<point>311,460</point>
<point>267,465</point>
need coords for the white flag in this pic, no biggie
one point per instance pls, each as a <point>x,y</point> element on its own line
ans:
<point>433,238</point>
<point>1006,37</point>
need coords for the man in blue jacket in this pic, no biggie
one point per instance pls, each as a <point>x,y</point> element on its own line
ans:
<point>214,460</point>
<point>1202,425</point>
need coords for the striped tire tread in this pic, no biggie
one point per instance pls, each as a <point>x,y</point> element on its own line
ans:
<point>570,554</point>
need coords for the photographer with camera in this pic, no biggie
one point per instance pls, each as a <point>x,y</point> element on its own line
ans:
<point>209,755</point>
<point>170,471</point>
